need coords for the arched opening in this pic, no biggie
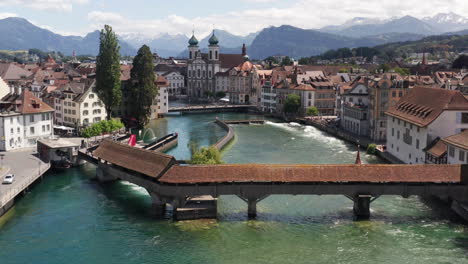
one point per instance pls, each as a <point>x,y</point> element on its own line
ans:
<point>247,99</point>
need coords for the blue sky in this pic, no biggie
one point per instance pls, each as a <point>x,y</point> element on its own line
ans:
<point>153,17</point>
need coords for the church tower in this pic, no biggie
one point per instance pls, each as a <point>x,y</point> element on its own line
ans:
<point>213,48</point>
<point>193,47</point>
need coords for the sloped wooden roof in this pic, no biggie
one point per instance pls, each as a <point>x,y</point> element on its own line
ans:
<point>438,149</point>
<point>421,106</point>
<point>146,162</point>
<point>459,140</point>
<point>312,173</point>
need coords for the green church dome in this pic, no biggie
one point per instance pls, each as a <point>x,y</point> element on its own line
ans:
<point>213,40</point>
<point>193,41</point>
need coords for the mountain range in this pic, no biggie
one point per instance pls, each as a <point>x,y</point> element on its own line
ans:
<point>19,34</point>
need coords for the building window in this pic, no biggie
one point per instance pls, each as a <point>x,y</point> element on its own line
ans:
<point>451,151</point>
<point>464,118</point>
<point>85,105</point>
<point>461,155</point>
<point>43,128</point>
<point>31,118</point>
<point>91,96</point>
<point>31,130</point>
<point>12,131</point>
<point>398,134</point>
<point>417,143</point>
<point>393,132</point>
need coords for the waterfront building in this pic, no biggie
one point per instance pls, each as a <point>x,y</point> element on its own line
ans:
<point>160,104</point>
<point>24,119</point>
<point>384,91</point>
<point>421,117</point>
<point>175,81</point>
<point>325,97</point>
<point>286,87</point>
<point>244,85</point>
<point>203,67</point>
<point>76,104</point>
<point>436,152</point>
<point>355,110</point>
<point>457,146</point>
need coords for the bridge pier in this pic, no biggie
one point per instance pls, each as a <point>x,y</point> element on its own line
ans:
<point>252,208</point>
<point>158,205</point>
<point>361,206</point>
<point>252,205</point>
<point>102,175</point>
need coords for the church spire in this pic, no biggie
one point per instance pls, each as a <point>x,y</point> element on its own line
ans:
<point>244,50</point>
<point>358,156</point>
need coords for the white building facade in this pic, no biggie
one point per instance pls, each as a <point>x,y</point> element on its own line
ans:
<point>421,117</point>
<point>24,119</point>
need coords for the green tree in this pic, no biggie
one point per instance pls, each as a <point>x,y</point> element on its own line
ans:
<point>384,67</point>
<point>108,70</point>
<point>287,61</point>
<point>292,104</point>
<point>371,149</point>
<point>271,60</point>
<point>402,71</point>
<point>460,62</point>
<point>220,94</point>
<point>205,155</point>
<point>115,125</point>
<point>312,111</point>
<point>142,88</point>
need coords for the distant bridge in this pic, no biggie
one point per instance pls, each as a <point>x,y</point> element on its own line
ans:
<point>169,182</point>
<point>210,108</point>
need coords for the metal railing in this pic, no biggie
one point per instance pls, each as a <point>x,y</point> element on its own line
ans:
<point>6,197</point>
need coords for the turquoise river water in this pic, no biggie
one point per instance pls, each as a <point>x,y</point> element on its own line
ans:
<point>69,218</point>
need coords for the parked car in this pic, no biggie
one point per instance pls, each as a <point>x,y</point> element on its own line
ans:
<point>9,178</point>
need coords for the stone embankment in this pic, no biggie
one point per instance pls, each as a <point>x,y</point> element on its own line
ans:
<point>227,138</point>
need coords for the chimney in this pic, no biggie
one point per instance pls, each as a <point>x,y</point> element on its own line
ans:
<point>244,50</point>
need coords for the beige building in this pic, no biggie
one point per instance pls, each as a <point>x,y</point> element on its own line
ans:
<point>161,102</point>
<point>77,105</point>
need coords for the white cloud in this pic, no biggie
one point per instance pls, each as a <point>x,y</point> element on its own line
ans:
<point>302,13</point>
<point>5,15</point>
<point>54,5</point>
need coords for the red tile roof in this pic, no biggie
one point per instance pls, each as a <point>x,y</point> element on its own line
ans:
<point>438,149</point>
<point>230,60</point>
<point>421,106</point>
<point>25,103</point>
<point>311,173</point>
<point>459,140</point>
<point>146,162</point>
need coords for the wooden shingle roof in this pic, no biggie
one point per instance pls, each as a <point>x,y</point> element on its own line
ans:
<point>146,162</point>
<point>422,105</point>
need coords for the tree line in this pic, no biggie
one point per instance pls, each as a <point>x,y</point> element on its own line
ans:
<point>141,89</point>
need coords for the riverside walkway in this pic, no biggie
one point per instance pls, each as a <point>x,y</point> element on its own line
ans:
<point>169,182</point>
<point>27,169</point>
<point>210,108</point>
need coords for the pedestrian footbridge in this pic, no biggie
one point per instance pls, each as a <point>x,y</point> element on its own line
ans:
<point>169,182</point>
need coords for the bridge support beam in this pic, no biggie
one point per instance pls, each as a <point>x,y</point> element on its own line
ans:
<point>102,175</point>
<point>158,205</point>
<point>252,205</point>
<point>362,206</point>
<point>252,208</point>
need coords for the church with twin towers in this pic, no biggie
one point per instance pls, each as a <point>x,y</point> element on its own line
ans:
<point>207,73</point>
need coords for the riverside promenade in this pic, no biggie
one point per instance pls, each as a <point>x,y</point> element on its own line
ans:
<point>349,137</point>
<point>27,168</point>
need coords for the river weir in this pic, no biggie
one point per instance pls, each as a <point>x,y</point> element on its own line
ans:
<point>68,217</point>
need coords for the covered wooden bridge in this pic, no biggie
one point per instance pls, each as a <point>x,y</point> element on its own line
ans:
<point>169,182</point>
